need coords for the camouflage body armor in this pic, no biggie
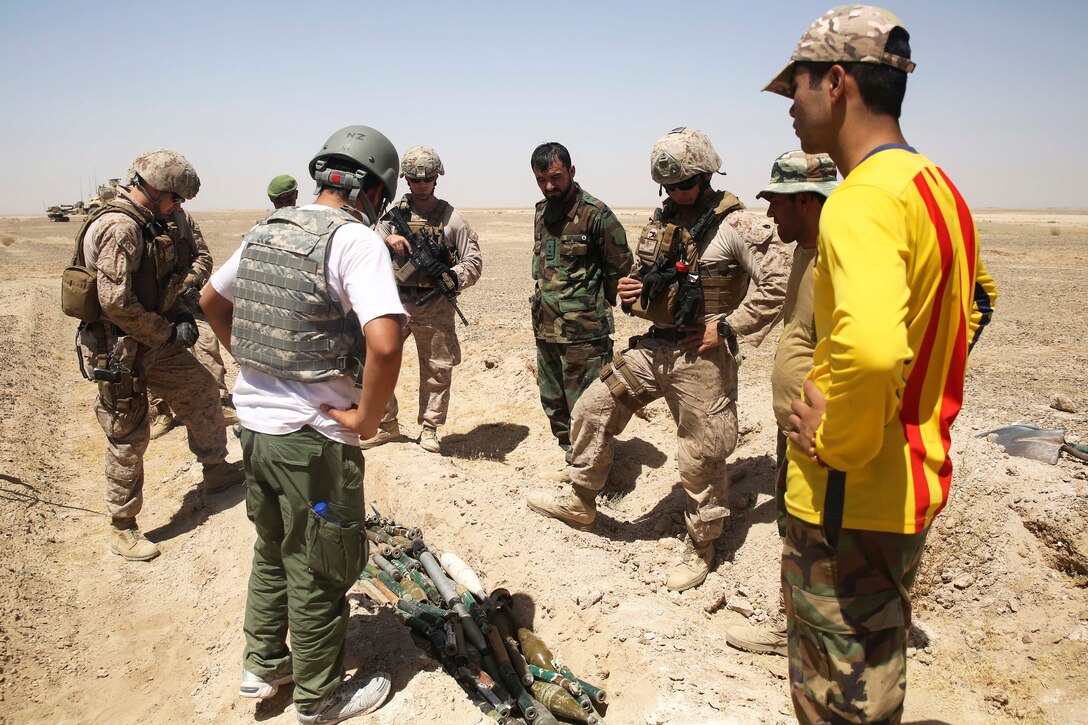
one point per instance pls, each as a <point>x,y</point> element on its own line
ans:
<point>663,244</point>
<point>163,265</point>
<point>410,276</point>
<point>286,323</point>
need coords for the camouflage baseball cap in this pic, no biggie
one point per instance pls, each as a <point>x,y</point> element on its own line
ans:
<point>421,162</point>
<point>796,171</point>
<point>844,34</point>
<point>281,185</point>
<point>681,154</point>
<point>166,170</point>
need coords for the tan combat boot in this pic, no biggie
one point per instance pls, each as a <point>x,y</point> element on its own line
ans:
<point>768,638</point>
<point>221,476</point>
<point>577,509</point>
<point>561,475</point>
<point>693,569</point>
<point>127,542</point>
<point>386,432</point>
<point>428,440</point>
<point>230,415</point>
<point>162,423</point>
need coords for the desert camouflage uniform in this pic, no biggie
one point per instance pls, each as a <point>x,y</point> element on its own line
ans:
<point>433,325</point>
<point>184,230</point>
<point>700,390</point>
<point>580,253</point>
<point>138,338</point>
<point>848,618</point>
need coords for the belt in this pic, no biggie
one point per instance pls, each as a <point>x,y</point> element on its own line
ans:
<point>671,334</point>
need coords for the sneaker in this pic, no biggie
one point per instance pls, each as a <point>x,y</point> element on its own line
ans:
<point>161,424</point>
<point>428,440</point>
<point>574,510</point>
<point>221,476</point>
<point>260,688</point>
<point>130,544</point>
<point>692,571</point>
<point>360,696</point>
<point>386,432</point>
<point>768,638</point>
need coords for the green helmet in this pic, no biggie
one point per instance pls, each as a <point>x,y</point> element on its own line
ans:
<point>365,150</point>
<point>166,170</point>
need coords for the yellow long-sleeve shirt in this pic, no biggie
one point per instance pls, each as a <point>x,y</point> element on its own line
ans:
<point>900,295</point>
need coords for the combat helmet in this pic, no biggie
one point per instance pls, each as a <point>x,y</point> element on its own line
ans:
<point>421,162</point>
<point>166,170</point>
<point>681,154</point>
<point>360,150</point>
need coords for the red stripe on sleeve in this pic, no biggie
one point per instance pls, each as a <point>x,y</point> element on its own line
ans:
<point>910,413</point>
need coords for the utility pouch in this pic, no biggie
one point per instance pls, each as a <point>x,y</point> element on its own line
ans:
<point>79,293</point>
<point>633,394</point>
<point>335,551</point>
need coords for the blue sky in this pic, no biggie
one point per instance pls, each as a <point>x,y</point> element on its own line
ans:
<point>250,90</point>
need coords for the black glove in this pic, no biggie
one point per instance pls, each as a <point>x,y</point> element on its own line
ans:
<point>184,332</point>
<point>658,279</point>
<point>438,271</point>
<point>191,297</point>
<point>689,303</point>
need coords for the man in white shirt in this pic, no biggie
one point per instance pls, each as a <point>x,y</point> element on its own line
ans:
<point>307,299</point>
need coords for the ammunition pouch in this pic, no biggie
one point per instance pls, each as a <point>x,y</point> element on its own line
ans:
<point>724,285</point>
<point>407,273</point>
<point>634,395</point>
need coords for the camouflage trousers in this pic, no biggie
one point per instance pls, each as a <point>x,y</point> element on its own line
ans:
<point>435,330</point>
<point>563,372</point>
<point>208,352</point>
<point>121,408</point>
<point>701,393</point>
<point>848,612</point>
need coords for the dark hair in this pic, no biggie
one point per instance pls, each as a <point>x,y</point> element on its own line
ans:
<point>548,153</point>
<point>882,87</point>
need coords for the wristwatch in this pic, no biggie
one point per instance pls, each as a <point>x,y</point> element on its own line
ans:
<point>725,332</point>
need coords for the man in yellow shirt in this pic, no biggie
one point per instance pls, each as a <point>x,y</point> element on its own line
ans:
<point>900,296</point>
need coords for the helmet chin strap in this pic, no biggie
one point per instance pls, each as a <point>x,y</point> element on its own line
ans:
<point>351,182</point>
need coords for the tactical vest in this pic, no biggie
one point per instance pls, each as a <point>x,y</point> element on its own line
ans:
<point>286,322</point>
<point>163,263</point>
<point>664,241</point>
<point>411,276</point>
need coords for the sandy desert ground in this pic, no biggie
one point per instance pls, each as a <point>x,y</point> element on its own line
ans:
<point>1002,604</point>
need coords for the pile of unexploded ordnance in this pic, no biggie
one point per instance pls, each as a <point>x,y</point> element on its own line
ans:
<point>505,669</point>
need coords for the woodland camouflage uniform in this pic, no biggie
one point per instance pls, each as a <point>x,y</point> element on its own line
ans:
<point>580,253</point>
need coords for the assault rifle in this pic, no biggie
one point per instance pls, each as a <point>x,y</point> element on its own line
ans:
<point>427,255</point>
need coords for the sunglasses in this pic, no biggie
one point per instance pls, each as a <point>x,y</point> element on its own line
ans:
<point>178,198</point>
<point>428,180</point>
<point>682,185</point>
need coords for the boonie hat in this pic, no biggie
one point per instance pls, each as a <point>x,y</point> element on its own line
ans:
<point>796,171</point>
<point>844,34</point>
<point>282,184</point>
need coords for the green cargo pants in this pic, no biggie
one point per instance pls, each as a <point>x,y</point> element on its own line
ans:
<point>564,371</point>
<point>303,564</point>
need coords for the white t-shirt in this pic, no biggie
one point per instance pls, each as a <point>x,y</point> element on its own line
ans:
<point>359,274</point>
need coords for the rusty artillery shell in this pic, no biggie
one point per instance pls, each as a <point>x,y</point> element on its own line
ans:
<point>559,701</point>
